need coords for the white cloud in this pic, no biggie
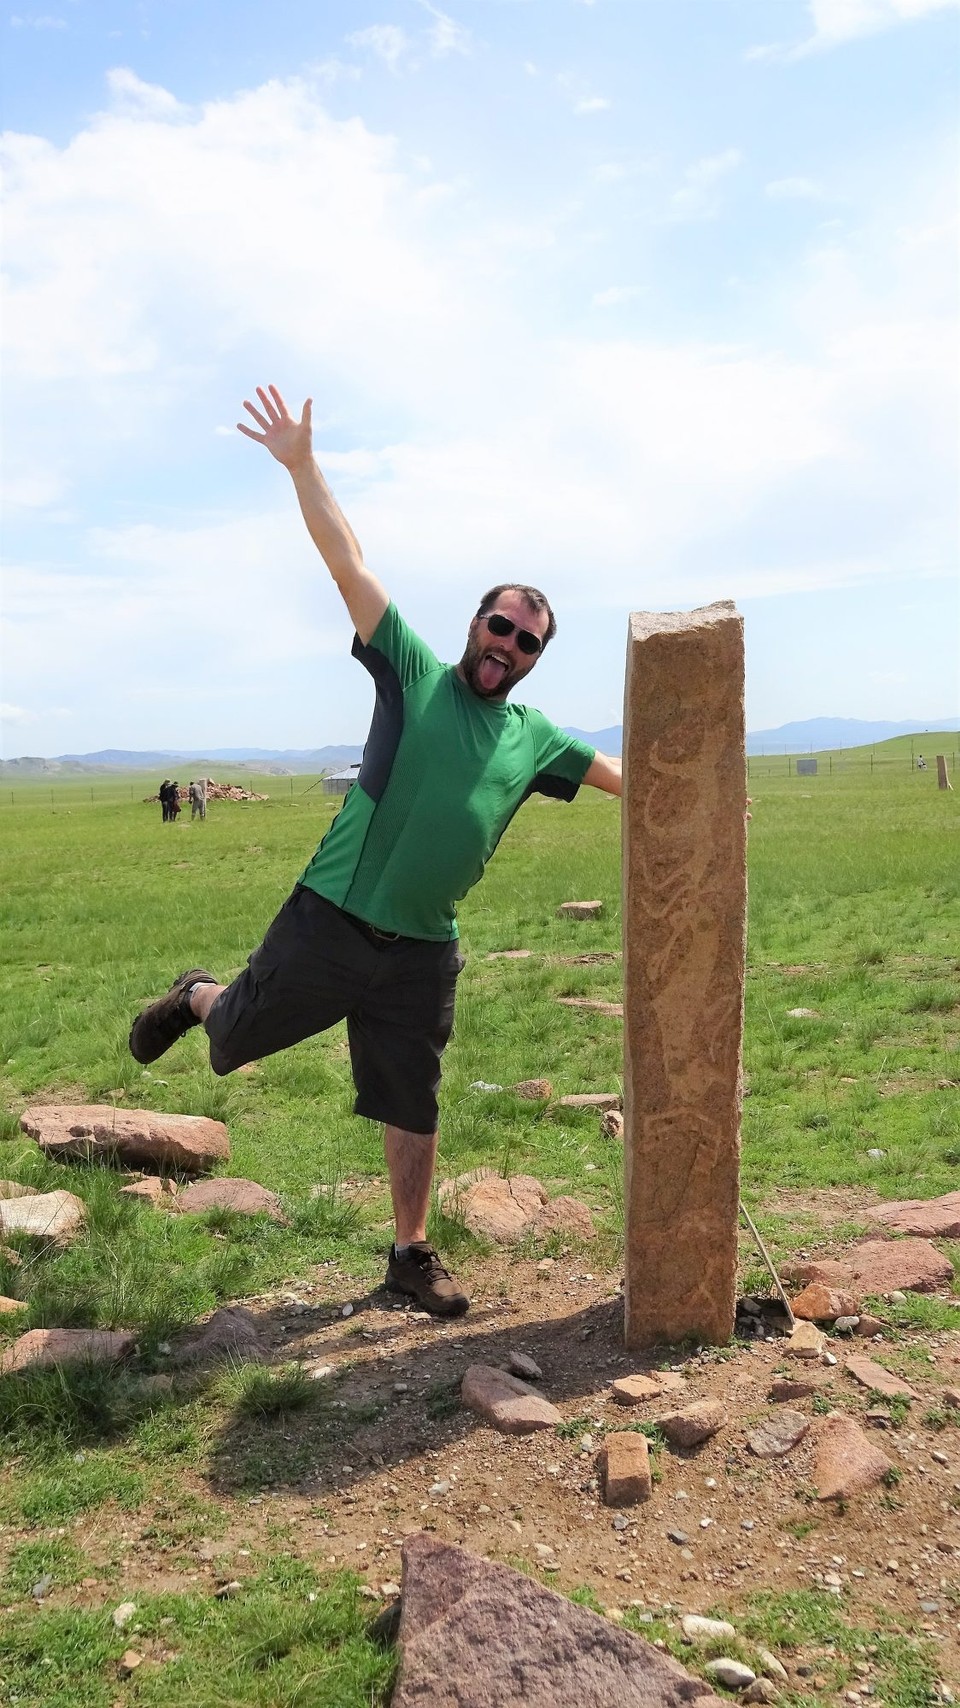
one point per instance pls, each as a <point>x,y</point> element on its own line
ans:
<point>44,22</point>
<point>445,35</point>
<point>131,94</point>
<point>614,295</point>
<point>837,22</point>
<point>793,190</point>
<point>591,104</point>
<point>387,41</point>
<point>698,198</point>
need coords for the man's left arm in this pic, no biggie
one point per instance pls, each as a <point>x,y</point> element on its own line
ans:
<point>605,773</point>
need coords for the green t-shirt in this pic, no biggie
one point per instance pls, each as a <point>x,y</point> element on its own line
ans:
<point>443,773</point>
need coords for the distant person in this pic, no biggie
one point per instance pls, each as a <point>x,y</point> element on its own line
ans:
<point>921,762</point>
<point>174,801</point>
<point>369,934</point>
<point>198,799</point>
<point>165,798</point>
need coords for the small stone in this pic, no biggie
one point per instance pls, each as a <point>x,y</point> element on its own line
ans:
<point>389,1588</point>
<point>42,1586</point>
<point>771,1667</point>
<point>128,1663</point>
<point>241,1197</point>
<point>879,1380</point>
<point>625,1465</point>
<point>508,1404</point>
<point>544,1551</point>
<point>346,1310</point>
<point>950,1397</point>
<point>123,1614</point>
<point>694,1423</point>
<point>225,1591</point>
<point>631,1390</point>
<point>56,1218</point>
<point>819,1303</point>
<point>611,1124</point>
<point>802,1014</point>
<point>761,1690</point>
<point>678,1537</point>
<point>868,1326</point>
<point>929,1607</point>
<point>580,910</point>
<point>620,1523</point>
<point>698,1629</point>
<point>319,1372</point>
<point>601,1100</point>
<point>732,1673</point>
<point>534,1090</point>
<point>52,1348</point>
<point>846,1463</point>
<point>9,1307</point>
<point>778,1434</point>
<point>846,1325</point>
<point>806,1341</point>
<point>747,1523</point>
<point>440,1488</point>
<point>938,1457</point>
<point>520,1364</point>
<point>545,1265</point>
<point>782,1389</point>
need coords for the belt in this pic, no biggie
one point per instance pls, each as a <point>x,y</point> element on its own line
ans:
<point>373,932</point>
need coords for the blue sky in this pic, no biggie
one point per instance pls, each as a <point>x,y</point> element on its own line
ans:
<point>648,303</point>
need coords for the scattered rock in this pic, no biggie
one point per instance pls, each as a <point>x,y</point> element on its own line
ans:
<point>868,1326</point>
<point>782,1389</point>
<point>846,1463</point>
<point>494,1208</point>
<point>149,1190</point>
<point>802,1014</point>
<point>778,1434</point>
<point>818,1303</point>
<point>602,1100</point>
<point>243,1197</point>
<point>631,1390</point>
<point>232,1332</point>
<point>565,1215</point>
<point>806,1341</point>
<point>123,1614</point>
<point>520,1364</point>
<point>611,1124</point>
<point>614,1010</point>
<point>8,1307</point>
<point>509,954</point>
<point>625,1465</point>
<point>580,910</point>
<point>509,1405</point>
<point>694,1423</point>
<point>950,1397</point>
<point>733,1674</point>
<point>189,1144</point>
<point>698,1629</point>
<point>53,1216</point>
<point>503,1637</point>
<point>534,1090</point>
<point>10,1257</point>
<point>880,1267</point>
<point>128,1663</point>
<point>846,1325</point>
<point>227,1591</point>
<point>761,1690</point>
<point>937,1218</point>
<point>879,1380</point>
<point>771,1667</point>
<point>50,1348</point>
<point>13,1189</point>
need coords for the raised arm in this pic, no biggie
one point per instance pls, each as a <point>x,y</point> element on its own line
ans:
<point>605,774</point>
<point>291,442</point>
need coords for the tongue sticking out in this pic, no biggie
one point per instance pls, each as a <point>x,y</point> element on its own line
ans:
<point>491,673</point>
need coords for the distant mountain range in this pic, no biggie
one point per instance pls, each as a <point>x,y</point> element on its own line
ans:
<point>819,734</point>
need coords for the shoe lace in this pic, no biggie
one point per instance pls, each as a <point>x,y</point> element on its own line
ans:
<point>429,1262</point>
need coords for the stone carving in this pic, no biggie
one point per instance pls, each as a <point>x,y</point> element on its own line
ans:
<point>684,913</point>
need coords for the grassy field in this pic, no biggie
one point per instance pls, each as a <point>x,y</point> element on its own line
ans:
<point>854,914</point>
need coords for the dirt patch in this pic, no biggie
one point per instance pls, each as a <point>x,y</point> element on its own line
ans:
<point>822,1207</point>
<point>390,1451</point>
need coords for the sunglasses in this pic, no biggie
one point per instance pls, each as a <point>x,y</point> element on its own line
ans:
<point>500,625</point>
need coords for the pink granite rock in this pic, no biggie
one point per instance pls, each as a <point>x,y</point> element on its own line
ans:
<point>880,1267</point>
<point>781,1389</point>
<point>475,1634</point>
<point>878,1380</point>
<point>580,910</point>
<point>693,1423</point>
<point>49,1348</point>
<point>846,1463</point>
<point>566,1216</point>
<point>508,1404</point>
<point>937,1218</point>
<point>601,1100</point>
<point>625,1467</point>
<point>820,1304</point>
<point>244,1197</point>
<point>493,1207</point>
<point>9,1307</point>
<point>189,1143</point>
<point>14,1189</point>
<point>149,1190</point>
<point>631,1390</point>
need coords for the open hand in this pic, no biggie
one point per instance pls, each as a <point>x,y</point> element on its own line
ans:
<point>288,440</point>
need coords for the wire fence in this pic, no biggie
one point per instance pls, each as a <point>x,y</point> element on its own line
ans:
<point>856,761</point>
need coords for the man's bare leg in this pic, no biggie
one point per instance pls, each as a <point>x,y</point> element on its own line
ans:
<point>411,1160</point>
<point>414,1267</point>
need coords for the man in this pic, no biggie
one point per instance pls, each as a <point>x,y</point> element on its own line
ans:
<point>369,934</point>
<point>198,799</point>
<point>165,798</point>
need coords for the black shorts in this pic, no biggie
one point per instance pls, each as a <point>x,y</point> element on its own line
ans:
<point>318,965</point>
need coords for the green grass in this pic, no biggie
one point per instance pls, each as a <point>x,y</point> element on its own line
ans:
<point>854,913</point>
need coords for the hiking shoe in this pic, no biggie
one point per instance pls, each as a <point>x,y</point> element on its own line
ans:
<point>421,1275</point>
<point>167,1019</point>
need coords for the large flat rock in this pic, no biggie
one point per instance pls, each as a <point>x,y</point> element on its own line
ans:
<point>50,1348</point>
<point>475,1634</point>
<point>504,1210</point>
<point>845,1462</point>
<point>936,1218</point>
<point>243,1197</point>
<point>54,1216</point>
<point>879,1267</point>
<point>504,1401</point>
<point>192,1144</point>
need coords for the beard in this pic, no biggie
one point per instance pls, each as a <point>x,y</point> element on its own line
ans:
<point>478,670</point>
